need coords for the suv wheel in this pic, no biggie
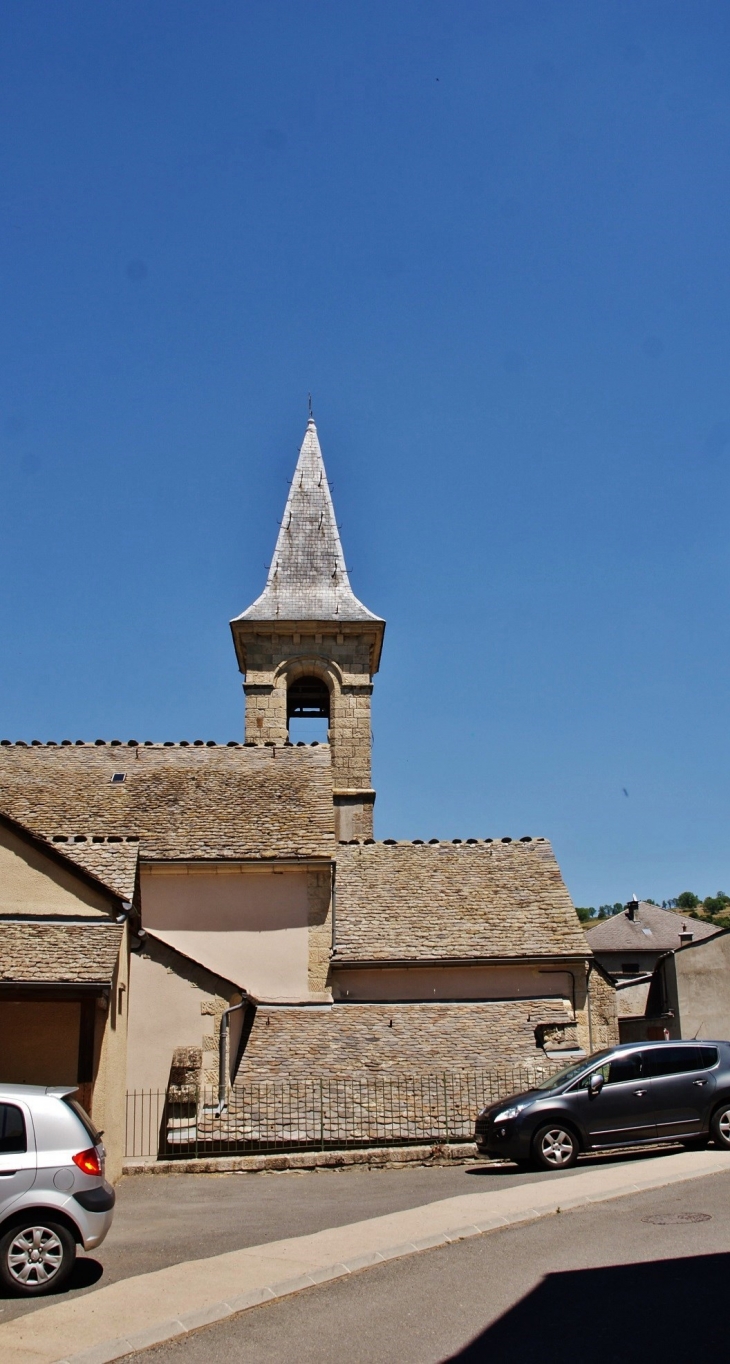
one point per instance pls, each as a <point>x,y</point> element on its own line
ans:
<point>36,1256</point>
<point>555,1147</point>
<point>720,1126</point>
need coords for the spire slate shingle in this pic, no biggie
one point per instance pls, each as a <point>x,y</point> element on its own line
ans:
<point>307,577</point>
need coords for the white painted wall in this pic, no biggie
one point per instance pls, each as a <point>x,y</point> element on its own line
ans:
<point>248,924</point>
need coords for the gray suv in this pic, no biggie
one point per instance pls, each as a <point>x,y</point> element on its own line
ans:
<point>626,1096</point>
<point>53,1194</point>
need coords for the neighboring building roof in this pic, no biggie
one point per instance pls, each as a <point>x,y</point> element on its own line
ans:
<point>307,576</point>
<point>652,929</point>
<point>405,901</point>
<point>192,802</point>
<point>56,953</point>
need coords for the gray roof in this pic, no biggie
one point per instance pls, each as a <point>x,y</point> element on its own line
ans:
<point>491,899</point>
<point>178,801</point>
<point>653,929</point>
<point>307,576</point>
<point>34,953</point>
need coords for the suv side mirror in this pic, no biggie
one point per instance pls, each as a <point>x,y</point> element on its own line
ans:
<point>596,1083</point>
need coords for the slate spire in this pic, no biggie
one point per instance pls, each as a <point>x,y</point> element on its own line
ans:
<point>307,576</point>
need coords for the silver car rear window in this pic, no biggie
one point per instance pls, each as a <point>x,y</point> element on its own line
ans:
<point>83,1118</point>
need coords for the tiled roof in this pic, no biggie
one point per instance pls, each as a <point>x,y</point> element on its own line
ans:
<point>37,953</point>
<point>307,576</point>
<point>404,901</point>
<point>180,802</point>
<point>652,930</point>
<point>113,863</point>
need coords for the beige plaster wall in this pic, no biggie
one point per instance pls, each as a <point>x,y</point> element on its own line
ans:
<point>249,925</point>
<point>31,883</point>
<point>108,1106</point>
<point>701,995</point>
<point>39,1042</point>
<point>172,1004</point>
<point>448,982</point>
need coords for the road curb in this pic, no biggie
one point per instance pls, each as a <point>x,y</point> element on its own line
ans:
<point>31,1340</point>
<point>379,1157</point>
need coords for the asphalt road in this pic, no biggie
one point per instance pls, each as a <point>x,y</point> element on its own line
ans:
<point>162,1220</point>
<point>630,1281</point>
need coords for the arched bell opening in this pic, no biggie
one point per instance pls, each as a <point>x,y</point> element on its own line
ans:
<point>308,710</point>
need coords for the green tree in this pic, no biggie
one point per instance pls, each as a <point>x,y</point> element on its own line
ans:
<point>585,913</point>
<point>687,900</point>
<point>608,911</point>
<point>717,904</point>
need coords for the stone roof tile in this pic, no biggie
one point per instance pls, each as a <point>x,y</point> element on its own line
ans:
<point>114,864</point>
<point>405,901</point>
<point>181,802</point>
<point>308,578</point>
<point>34,953</point>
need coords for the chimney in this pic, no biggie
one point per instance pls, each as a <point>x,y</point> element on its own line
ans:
<point>632,907</point>
<point>685,936</point>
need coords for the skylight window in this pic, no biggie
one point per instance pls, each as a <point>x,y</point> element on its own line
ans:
<point>118,777</point>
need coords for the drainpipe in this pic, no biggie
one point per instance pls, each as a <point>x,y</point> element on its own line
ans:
<point>223,1052</point>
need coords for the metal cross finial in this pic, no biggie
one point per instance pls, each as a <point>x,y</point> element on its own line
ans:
<point>311,415</point>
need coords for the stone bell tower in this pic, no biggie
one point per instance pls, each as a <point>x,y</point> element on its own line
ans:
<point>308,647</point>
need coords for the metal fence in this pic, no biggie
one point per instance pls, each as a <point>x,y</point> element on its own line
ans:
<point>318,1114</point>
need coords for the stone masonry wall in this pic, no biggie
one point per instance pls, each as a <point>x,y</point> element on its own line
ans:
<point>604,1011</point>
<point>319,899</point>
<point>343,660</point>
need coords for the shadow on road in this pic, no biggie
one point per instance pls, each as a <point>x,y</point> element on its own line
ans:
<point>495,1169</point>
<point>623,1314</point>
<point>84,1274</point>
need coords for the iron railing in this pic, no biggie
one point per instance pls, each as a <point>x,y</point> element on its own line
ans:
<point>319,1113</point>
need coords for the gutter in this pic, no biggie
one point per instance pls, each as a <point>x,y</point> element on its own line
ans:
<point>352,963</point>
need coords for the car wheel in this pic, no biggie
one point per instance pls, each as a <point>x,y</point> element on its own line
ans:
<point>36,1256</point>
<point>720,1126</point>
<point>554,1147</point>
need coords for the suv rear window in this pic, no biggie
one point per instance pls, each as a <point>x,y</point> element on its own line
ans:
<point>678,1060</point>
<point>83,1118</point>
<point>12,1130</point>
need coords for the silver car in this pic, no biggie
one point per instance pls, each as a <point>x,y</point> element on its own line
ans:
<point>53,1194</point>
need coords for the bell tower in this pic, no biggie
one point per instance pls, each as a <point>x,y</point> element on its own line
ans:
<point>308,647</point>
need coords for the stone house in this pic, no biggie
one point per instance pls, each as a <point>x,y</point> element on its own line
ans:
<point>258,880</point>
<point>629,945</point>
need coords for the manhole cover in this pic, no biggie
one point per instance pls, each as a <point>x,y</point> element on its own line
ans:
<point>671,1219</point>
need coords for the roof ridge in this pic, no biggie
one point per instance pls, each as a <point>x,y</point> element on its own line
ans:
<point>445,842</point>
<point>159,743</point>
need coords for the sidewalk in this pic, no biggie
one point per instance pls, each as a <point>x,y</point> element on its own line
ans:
<point>137,1312</point>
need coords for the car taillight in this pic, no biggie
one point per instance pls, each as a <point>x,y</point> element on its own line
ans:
<point>88,1161</point>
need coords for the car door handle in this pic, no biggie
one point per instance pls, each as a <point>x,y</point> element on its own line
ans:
<point>699,1083</point>
<point>5,1174</point>
<point>639,1092</point>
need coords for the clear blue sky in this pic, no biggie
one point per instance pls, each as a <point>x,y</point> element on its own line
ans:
<point>493,241</point>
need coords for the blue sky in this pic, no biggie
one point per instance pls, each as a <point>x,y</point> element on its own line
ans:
<point>492,240</point>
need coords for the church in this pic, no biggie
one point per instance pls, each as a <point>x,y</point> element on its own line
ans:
<point>229,903</point>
